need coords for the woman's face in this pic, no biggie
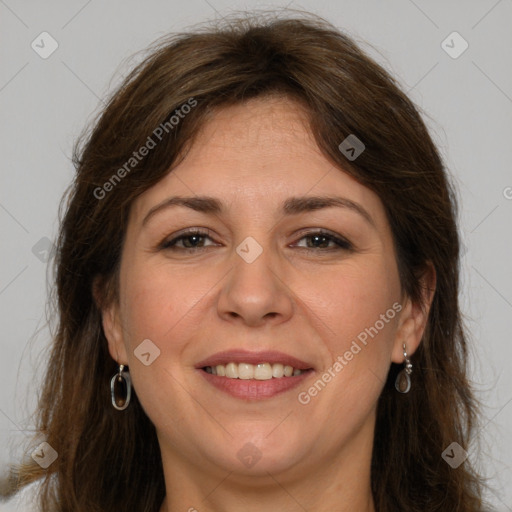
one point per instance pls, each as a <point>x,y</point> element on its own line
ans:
<point>262,283</point>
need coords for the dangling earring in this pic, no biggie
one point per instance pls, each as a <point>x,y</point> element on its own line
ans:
<point>122,380</point>
<point>403,381</point>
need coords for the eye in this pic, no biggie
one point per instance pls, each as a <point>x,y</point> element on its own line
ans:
<point>326,241</point>
<point>316,241</point>
<point>188,241</point>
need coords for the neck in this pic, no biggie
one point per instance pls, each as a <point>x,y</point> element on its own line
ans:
<point>338,482</point>
<point>289,504</point>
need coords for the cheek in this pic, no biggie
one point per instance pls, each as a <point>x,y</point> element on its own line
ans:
<point>359,307</point>
<point>158,305</point>
<point>352,300</point>
<point>359,328</point>
<point>155,302</point>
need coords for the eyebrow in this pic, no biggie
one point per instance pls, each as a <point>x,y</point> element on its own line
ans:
<point>291,206</point>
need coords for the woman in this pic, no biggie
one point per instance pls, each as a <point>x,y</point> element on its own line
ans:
<point>257,283</point>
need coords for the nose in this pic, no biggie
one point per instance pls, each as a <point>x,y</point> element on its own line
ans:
<point>256,293</point>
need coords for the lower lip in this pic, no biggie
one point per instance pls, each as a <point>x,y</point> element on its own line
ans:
<point>252,389</point>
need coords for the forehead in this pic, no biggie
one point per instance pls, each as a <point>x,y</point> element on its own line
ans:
<point>257,154</point>
<point>268,123</point>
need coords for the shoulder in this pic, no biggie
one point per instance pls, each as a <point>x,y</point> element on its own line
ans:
<point>25,500</point>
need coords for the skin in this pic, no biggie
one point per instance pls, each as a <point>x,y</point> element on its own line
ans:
<point>310,304</point>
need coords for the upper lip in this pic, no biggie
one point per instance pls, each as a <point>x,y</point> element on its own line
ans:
<point>245,356</point>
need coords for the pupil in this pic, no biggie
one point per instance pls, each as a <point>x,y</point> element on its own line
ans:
<point>316,238</point>
<point>191,237</point>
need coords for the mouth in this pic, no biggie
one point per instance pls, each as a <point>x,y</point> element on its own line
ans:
<point>254,375</point>
<point>247,371</point>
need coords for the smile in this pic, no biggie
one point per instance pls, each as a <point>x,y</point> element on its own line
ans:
<point>252,375</point>
<point>248,371</point>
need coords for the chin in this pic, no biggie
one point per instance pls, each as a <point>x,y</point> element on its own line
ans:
<point>260,454</point>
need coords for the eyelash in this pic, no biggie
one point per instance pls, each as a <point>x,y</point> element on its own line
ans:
<point>343,244</point>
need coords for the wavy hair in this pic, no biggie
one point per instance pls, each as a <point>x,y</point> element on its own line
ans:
<point>344,92</point>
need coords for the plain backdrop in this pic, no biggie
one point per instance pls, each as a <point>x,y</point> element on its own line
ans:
<point>466,100</point>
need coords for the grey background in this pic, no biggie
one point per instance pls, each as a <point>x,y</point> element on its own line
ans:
<point>467,102</point>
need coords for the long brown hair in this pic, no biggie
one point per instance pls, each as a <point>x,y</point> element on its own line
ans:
<point>110,461</point>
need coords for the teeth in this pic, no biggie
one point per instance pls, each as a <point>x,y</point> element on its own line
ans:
<point>231,370</point>
<point>247,371</point>
<point>277,370</point>
<point>263,371</point>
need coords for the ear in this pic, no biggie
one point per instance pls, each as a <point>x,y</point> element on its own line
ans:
<point>110,314</point>
<point>414,317</point>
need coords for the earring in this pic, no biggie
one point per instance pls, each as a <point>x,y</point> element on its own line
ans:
<point>121,380</point>
<point>403,381</point>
